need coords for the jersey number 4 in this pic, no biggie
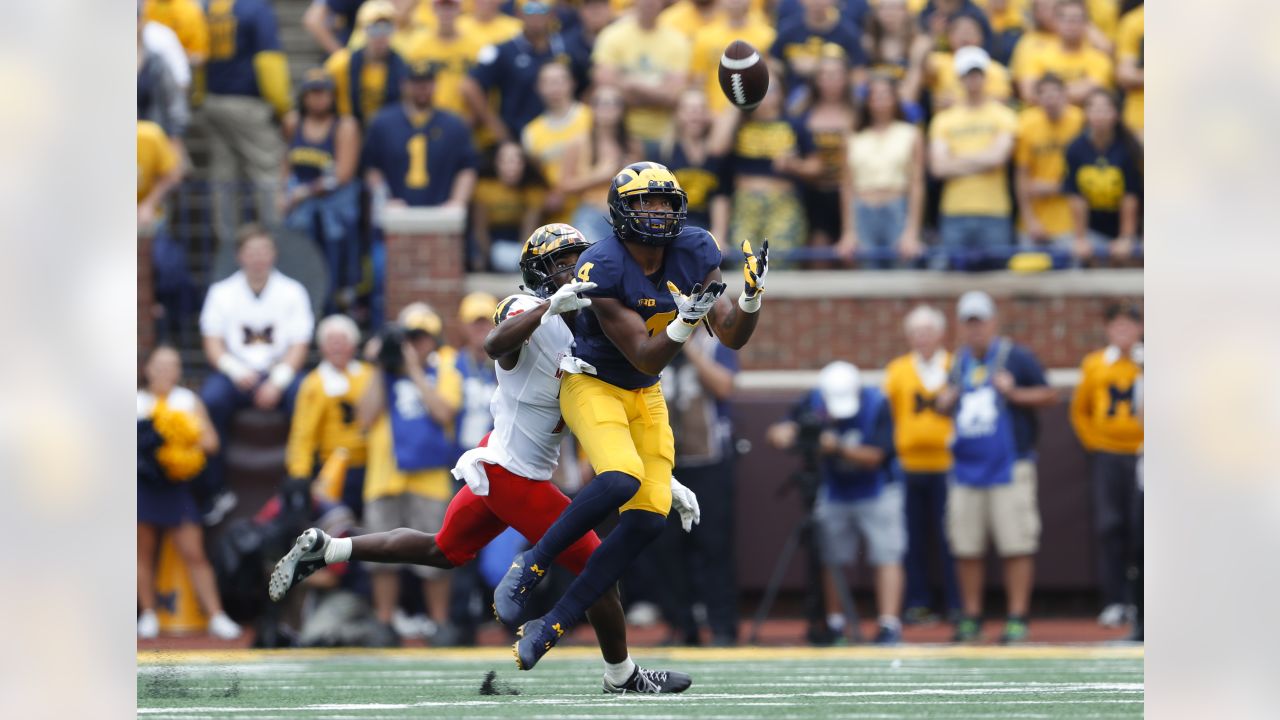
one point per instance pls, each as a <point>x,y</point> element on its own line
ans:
<point>417,176</point>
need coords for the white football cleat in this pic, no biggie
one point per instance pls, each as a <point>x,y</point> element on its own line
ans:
<point>148,625</point>
<point>1112,616</point>
<point>305,557</point>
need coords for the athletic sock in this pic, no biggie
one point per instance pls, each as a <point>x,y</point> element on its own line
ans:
<point>338,550</point>
<point>618,673</point>
<point>636,529</point>
<point>890,621</point>
<point>607,492</point>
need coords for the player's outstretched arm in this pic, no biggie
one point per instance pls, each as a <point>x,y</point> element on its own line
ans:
<point>506,339</point>
<point>734,324</point>
<point>515,327</point>
<point>626,330</point>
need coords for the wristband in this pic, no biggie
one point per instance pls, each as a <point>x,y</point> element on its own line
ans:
<point>233,368</point>
<point>679,330</point>
<point>749,304</point>
<point>281,375</point>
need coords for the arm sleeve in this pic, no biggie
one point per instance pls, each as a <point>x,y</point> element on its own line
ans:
<point>449,383</point>
<point>371,153</point>
<point>301,322</point>
<point>269,62</point>
<point>304,431</point>
<point>166,157</point>
<point>213,316</point>
<point>882,435</point>
<point>195,31</point>
<point>1081,406</point>
<point>605,52</point>
<point>514,305</point>
<point>1022,143</point>
<point>1025,368</point>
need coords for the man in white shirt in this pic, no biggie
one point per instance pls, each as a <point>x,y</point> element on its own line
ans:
<point>256,326</point>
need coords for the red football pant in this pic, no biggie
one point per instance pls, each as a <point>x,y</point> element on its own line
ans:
<point>529,506</point>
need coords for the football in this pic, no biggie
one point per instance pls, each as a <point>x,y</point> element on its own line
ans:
<point>744,75</point>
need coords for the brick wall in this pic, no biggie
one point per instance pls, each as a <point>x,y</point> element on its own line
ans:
<point>425,261</point>
<point>807,333</point>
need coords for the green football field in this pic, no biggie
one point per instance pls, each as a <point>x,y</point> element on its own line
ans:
<point>772,683</point>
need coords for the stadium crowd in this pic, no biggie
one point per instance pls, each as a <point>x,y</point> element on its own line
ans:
<point>948,134</point>
<point>898,133</point>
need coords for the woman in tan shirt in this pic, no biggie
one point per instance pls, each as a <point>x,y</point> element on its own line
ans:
<point>885,181</point>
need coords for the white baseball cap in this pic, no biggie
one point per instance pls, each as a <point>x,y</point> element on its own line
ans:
<point>975,304</point>
<point>971,58</point>
<point>839,384</point>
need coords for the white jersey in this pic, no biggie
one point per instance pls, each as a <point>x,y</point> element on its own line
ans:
<point>258,329</point>
<point>527,427</point>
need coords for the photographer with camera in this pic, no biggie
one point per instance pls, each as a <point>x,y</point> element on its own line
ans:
<point>850,430</point>
<point>410,409</point>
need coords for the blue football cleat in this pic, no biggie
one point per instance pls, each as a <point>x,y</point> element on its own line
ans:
<point>536,638</point>
<point>514,590</point>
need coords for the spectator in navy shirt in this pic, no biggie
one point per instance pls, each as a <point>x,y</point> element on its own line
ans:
<point>857,500</point>
<point>994,389</point>
<point>801,38</point>
<point>416,154</point>
<point>247,85</point>
<point>594,15</point>
<point>512,68</point>
<point>1104,182</point>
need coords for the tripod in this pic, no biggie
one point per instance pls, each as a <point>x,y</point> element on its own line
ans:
<point>807,480</point>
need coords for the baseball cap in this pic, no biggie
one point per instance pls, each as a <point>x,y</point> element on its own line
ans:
<point>419,317</point>
<point>535,7</point>
<point>839,384</point>
<point>316,79</point>
<point>971,58</point>
<point>375,11</point>
<point>422,70</point>
<point>975,305</point>
<point>477,306</point>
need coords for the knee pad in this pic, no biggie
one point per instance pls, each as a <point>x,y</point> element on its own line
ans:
<point>642,523</point>
<point>619,487</point>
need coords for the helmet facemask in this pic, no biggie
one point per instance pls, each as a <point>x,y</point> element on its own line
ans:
<point>653,227</point>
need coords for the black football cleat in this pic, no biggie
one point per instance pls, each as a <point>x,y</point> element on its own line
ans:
<point>514,590</point>
<point>652,682</point>
<point>304,558</point>
<point>536,639</point>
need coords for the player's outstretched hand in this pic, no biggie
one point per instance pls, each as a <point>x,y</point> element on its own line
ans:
<point>566,299</point>
<point>695,306</point>
<point>754,268</point>
<point>683,501</point>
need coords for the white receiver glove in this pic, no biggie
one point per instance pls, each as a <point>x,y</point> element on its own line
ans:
<point>685,502</point>
<point>566,299</point>
<point>692,308</point>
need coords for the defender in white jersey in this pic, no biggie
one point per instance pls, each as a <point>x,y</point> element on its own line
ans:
<point>508,476</point>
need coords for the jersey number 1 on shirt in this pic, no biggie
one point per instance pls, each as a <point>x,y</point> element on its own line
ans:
<point>417,175</point>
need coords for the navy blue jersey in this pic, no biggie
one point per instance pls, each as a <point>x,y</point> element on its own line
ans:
<point>310,160</point>
<point>512,68</point>
<point>797,40</point>
<point>1102,178</point>
<point>419,160</point>
<point>689,259</point>
<point>238,31</point>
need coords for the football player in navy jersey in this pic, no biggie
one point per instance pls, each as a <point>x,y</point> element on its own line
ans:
<point>655,280</point>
